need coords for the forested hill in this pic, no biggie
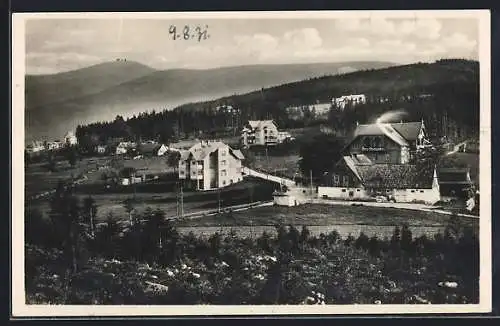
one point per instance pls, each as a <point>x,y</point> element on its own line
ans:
<point>444,93</point>
<point>57,103</point>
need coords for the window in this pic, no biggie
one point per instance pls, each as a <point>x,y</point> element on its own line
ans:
<point>223,162</point>
<point>343,190</point>
<point>231,181</point>
<point>413,191</point>
<point>336,179</point>
<point>357,190</point>
<point>200,172</point>
<point>223,152</point>
<point>345,181</point>
<point>182,172</point>
<point>421,191</point>
<point>223,173</point>
<point>223,182</point>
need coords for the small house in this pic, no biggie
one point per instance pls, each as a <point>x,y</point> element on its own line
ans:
<point>100,149</point>
<point>153,149</point>
<point>124,147</point>
<point>260,132</point>
<point>455,183</point>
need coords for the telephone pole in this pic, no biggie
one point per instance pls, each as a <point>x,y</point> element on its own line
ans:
<point>180,200</point>
<point>311,178</point>
<point>218,200</point>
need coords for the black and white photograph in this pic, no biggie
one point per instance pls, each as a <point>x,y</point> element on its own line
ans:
<point>251,163</point>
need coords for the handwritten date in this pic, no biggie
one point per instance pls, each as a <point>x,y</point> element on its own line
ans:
<point>189,33</point>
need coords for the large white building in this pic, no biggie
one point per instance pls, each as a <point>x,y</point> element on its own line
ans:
<point>210,165</point>
<point>260,132</point>
<point>341,102</point>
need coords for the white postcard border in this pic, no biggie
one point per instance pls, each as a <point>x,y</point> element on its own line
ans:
<point>19,307</point>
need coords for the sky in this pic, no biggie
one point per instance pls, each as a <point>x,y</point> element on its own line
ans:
<point>57,45</point>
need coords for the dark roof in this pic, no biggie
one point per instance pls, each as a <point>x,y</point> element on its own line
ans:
<point>149,148</point>
<point>393,176</point>
<point>409,130</point>
<point>398,132</point>
<point>238,154</point>
<point>452,175</point>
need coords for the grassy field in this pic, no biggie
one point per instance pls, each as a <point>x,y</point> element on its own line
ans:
<point>39,179</point>
<point>285,165</point>
<point>149,165</point>
<point>322,215</point>
<point>162,195</point>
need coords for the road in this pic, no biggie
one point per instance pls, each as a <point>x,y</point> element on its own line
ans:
<point>266,176</point>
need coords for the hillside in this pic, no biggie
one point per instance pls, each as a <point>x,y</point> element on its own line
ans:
<point>104,91</point>
<point>444,93</point>
<point>46,89</point>
<point>394,81</point>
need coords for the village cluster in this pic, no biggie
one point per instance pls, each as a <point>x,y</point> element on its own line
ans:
<point>378,163</point>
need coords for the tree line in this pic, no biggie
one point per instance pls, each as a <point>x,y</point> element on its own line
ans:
<point>445,94</point>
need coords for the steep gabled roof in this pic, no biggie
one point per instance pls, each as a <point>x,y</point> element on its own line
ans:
<point>149,148</point>
<point>409,130</point>
<point>401,133</point>
<point>390,176</point>
<point>454,176</point>
<point>260,123</point>
<point>238,154</point>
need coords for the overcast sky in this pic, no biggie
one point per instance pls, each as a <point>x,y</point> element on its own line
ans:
<point>55,45</point>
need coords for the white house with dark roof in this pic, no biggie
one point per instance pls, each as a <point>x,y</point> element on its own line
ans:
<point>356,178</point>
<point>378,162</point>
<point>210,165</point>
<point>388,142</point>
<point>260,132</point>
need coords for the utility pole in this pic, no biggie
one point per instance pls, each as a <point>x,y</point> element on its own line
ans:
<point>267,157</point>
<point>218,200</point>
<point>311,178</point>
<point>182,200</point>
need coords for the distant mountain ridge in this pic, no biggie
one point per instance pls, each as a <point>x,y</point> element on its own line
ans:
<point>59,102</point>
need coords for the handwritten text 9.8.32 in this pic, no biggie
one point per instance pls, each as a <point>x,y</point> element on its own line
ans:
<point>189,33</point>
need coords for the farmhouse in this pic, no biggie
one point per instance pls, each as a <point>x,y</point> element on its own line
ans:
<point>124,146</point>
<point>356,177</point>
<point>210,165</point>
<point>54,145</point>
<point>394,143</point>
<point>379,162</point>
<point>455,183</point>
<point>260,132</point>
<point>153,149</point>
